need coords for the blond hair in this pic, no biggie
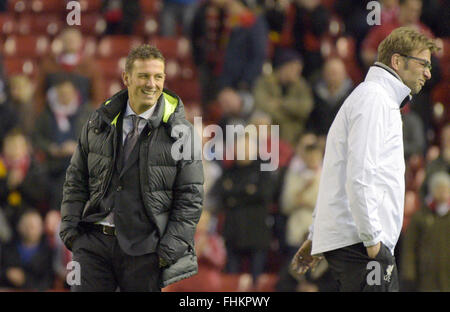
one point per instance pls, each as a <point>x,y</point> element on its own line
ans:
<point>404,40</point>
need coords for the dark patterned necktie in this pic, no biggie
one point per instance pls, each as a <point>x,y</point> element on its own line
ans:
<point>131,137</point>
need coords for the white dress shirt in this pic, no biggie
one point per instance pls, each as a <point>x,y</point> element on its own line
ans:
<point>127,126</point>
<point>362,186</point>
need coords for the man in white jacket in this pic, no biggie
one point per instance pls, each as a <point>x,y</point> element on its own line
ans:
<point>359,210</point>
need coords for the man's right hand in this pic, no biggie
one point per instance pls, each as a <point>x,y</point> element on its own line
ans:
<point>372,251</point>
<point>303,261</point>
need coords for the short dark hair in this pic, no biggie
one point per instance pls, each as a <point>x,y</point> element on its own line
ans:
<point>143,52</point>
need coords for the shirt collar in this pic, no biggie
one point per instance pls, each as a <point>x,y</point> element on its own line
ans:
<point>392,82</point>
<point>145,115</point>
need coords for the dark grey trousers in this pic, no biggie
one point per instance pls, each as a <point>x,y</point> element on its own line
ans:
<point>105,267</point>
<point>354,271</point>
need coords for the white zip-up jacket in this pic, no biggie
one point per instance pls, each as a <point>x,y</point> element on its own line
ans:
<point>362,188</point>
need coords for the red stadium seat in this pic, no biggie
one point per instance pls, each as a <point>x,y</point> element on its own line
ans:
<point>48,6</point>
<point>150,6</point>
<point>89,47</point>
<point>26,46</point>
<point>92,24</point>
<point>17,65</point>
<point>174,48</point>
<point>19,6</point>
<point>39,24</point>
<point>147,26</point>
<point>8,24</point>
<point>112,87</point>
<point>188,90</point>
<point>90,6</point>
<point>117,45</point>
<point>111,68</point>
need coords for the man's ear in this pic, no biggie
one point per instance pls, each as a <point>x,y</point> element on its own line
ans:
<point>126,78</point>
<point>395,61</point>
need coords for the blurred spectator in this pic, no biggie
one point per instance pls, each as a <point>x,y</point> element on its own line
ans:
<point>441,163</point>
<point>310,23</point>
<point>276,14</point>
<point>236,107</point>
<point>413,133</point>
<point>57,131</point>
<point>208,39</point>
<point>22,101</point>
<point>299,195</point>
<point>267,141</point>
<point>174,12</point>
<point>247,46</point>
<point>121,16</point>
<point>389,11</point>
<point>436,15</point>
<point>330,93</point>
<point>71,62</point>
<point>300,188</point>
<point>244,194</point>
<point>354,16</point>
<point>23,181</point>
<point>426,253</point>
<point>8,116</point>
<point>27,261</point>
<point>211,255</point>
<point>409,15</point>
<point>285,95</point>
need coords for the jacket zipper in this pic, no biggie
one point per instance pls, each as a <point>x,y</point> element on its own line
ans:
<point>109,177</point>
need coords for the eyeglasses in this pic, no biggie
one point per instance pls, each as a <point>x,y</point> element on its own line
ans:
<point>423,62</point>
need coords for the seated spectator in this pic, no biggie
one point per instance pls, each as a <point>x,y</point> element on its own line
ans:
<point>441,163</point>
<point>23,182</point>
<point>330,93</point>
<point>246,50</point>
<point>409,15</point>
<point>22,101</point>
<point>174,12</point>
<point>425,250</point>
<point>413,133</point>
<point>285,95</point>
<point>27,261</point>
<point>121,16</point>
<point>57,131</point>
<point>244,194</point>
<point>70,62</point>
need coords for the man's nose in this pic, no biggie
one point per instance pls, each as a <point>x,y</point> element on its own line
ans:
<point>150,82</point>
<point>427,73</point>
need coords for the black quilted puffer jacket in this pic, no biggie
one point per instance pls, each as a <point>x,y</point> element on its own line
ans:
<point>172,190</point>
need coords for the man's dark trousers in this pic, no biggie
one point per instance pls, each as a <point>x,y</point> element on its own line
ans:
<point>105,267</point>
<point>355,271</point>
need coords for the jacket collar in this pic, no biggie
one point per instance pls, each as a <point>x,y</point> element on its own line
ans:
<point>391,82</point>
<point>169,108</point>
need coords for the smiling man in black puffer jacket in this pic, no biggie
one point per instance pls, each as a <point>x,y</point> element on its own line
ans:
<point>130,206</point>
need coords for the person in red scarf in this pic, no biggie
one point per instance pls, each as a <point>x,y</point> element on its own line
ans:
<point>72,62</point>
<point>246,49</point>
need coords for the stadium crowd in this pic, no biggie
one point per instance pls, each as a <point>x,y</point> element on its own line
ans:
<point>290,63</point>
